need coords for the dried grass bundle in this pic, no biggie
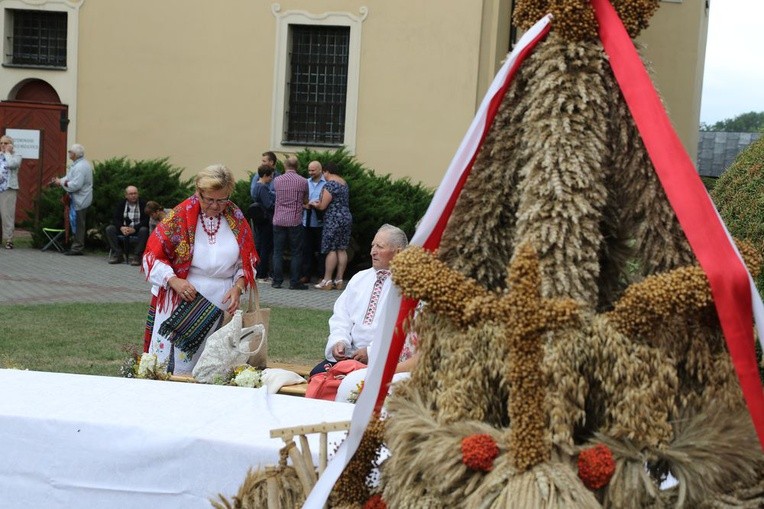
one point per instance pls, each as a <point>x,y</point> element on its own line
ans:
<point>716,452</point>
<point>426,463</point>
<point>472,377</point>
<point>554,484</point>
<point>564,169</point>
<point>562,190</point>
<point>636,383</point>
<point>567,355</point>
<point>574,19</point>
<point>352,489</point>
<point>264,486</point>
<point>714,458</point>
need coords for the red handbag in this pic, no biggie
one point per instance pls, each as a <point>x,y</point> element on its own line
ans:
<point>325,385</point>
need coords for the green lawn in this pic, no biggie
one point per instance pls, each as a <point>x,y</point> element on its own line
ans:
<point>95,338</point>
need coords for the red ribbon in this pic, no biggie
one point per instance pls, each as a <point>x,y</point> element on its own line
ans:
<point>727,275</point>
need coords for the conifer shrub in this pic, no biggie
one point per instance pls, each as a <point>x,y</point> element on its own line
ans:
<point>739,197</point>
<point>374,200</point>
<point>156,179</point>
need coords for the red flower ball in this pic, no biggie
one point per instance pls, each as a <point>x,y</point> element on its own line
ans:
<point>375,502</point>
<point>596,466</point>
<point>479,451</point>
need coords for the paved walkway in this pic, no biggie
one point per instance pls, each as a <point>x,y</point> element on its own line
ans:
<point>30,276</point>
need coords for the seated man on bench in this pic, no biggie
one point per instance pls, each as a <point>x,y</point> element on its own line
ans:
<point>352,326</point>
<point>132,224</point>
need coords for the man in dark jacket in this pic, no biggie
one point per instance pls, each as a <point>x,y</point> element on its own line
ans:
<point>129,228</point>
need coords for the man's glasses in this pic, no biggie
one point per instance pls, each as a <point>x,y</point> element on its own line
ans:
<point>210,201</point>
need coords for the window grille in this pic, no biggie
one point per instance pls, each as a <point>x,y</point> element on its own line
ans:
<point>39,38</point>
<point>318,85</point>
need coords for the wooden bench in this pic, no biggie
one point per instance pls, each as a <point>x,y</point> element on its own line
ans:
<point>300,369</point>
<point>289,390</point>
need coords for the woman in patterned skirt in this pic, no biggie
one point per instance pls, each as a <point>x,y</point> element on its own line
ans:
<point>335,238</point>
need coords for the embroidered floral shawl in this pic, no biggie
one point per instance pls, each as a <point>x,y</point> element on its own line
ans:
<point>172,242</point>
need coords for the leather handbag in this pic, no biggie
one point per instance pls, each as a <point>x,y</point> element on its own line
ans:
<point>255,315</point>
<point>325,385</point>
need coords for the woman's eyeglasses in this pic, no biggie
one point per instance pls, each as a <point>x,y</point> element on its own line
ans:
<point>212,201</point>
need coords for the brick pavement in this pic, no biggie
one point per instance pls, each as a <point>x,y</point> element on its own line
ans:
<point>30,276</point>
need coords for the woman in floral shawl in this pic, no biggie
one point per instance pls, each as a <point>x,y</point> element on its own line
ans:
<point>203,246</point>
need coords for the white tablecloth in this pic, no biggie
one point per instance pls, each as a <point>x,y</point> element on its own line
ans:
<point>88,441</point>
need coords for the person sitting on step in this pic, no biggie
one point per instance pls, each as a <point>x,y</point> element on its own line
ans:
<point>156,213</point>
<point>131,221</point>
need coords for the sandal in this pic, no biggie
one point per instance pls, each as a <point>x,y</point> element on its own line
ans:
<point>325,284</point>
<point>339,284</point>
<point>9,245</point>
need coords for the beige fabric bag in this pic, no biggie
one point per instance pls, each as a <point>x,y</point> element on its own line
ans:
<point>255,315</point>
<point>228,347</point>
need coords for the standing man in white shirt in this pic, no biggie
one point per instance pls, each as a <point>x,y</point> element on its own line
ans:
<point>78,182</point>
<point>355,317</point>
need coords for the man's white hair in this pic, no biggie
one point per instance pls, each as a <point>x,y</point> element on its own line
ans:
<point>395,235</point>
<point>78,150</point>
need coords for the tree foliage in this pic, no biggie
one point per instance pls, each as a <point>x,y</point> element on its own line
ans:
<point>374,200</point>
<point>156,179</point>
<point>750,122</point>
<point>738,197</point>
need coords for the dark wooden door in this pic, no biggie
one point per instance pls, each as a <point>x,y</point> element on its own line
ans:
<point>51,120</point>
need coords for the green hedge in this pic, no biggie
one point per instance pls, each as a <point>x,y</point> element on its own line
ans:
<point>374,199</point>
<point>739,197</point>
<point>156,179</point>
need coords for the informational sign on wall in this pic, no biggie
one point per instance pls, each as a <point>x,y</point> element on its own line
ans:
<point>26,142</point>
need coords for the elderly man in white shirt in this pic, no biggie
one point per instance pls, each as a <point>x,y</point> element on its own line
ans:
<point>352,326</point>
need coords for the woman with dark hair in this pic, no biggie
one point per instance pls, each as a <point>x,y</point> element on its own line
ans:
<point>203,247</point>
<point>335,238</point>
<point>156,213</point>
<point>262,196</point>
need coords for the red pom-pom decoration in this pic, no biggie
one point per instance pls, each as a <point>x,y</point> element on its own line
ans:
<point>596,466</point>
<point>479,451</point>
<point>375,502</point>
